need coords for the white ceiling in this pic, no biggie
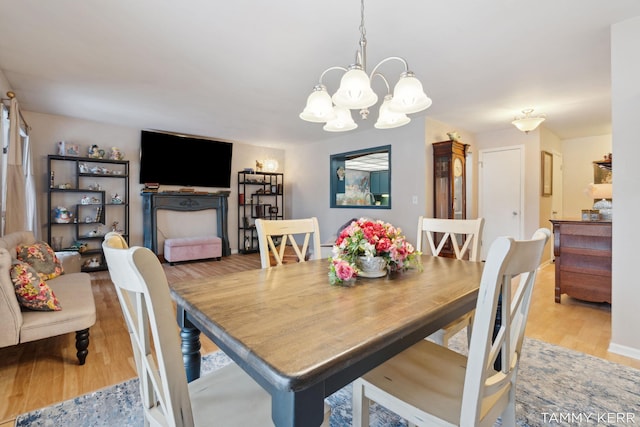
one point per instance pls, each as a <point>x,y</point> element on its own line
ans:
<point>241,70</point>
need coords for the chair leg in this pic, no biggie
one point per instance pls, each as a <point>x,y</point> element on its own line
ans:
<point>360,406</point>
<point>82,345</point>
<point>508,416</point>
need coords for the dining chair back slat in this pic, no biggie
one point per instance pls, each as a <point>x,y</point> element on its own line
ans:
<point>465,236</point>
<point>300,235</point>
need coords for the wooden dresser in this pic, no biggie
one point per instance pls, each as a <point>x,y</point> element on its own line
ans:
<point>583,259</point>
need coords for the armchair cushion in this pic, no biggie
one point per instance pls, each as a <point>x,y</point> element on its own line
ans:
<point>32,292</point>
<point>42,258</point>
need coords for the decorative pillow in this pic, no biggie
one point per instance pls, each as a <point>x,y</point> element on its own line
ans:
<point>32,292</point>
<point>41,257</point>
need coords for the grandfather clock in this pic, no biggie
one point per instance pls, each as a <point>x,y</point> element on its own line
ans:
<point>449,180</point>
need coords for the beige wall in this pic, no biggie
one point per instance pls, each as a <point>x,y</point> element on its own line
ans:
<point>578,157</point>
<point>550,143</point>
<point>48,129</point>
<point>308,177</point>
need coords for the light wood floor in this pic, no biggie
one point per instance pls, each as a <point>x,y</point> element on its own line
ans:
<point>33,375</point>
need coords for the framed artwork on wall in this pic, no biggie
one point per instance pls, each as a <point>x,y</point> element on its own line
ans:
<point>547,173</point>
<point>361,179</point>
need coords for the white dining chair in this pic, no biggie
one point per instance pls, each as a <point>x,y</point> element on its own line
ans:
<point>464,237</point>
<point>429,384</point>
<point>227,396</point>
<point>297,234</point>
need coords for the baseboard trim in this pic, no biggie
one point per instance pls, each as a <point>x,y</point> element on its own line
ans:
<point>624,350</point>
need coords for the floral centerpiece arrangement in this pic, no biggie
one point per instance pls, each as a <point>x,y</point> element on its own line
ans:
<point>369,239</point>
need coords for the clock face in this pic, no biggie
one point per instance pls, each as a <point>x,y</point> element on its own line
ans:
<point>457,167</point>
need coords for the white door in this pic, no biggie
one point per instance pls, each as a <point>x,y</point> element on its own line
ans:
<point>501,193</point>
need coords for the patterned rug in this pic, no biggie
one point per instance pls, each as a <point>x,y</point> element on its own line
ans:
<point>556,387</point>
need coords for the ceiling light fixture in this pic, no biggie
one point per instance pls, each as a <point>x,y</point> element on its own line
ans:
<point>355,93</point>
<point>527,123</point>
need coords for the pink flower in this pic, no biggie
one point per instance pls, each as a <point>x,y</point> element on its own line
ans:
<point>344,271</point>
<point>383,245</point>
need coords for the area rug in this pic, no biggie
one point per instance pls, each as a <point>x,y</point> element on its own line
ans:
<point>556,387</point>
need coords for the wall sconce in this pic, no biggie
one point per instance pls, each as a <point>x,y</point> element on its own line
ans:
<point>527,123</point>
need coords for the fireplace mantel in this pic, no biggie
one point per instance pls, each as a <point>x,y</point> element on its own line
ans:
<point>183,201</point>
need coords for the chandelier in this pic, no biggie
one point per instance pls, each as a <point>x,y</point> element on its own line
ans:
<point>355,93</point>
<point>527,123</point>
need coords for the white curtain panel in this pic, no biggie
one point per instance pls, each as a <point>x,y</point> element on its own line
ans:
<point>4,155</point>
<point>16,206</point>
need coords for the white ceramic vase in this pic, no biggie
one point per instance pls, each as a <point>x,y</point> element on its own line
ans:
<point>372,266</point>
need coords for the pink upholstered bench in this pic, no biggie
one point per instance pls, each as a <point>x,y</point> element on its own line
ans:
<point>192,248</point>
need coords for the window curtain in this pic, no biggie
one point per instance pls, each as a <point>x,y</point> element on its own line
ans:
<point>20,200</point>
<point>4,139</point>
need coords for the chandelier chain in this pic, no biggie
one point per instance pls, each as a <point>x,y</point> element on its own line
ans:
<point>363,30</point>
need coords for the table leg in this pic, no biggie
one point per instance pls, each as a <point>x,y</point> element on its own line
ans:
<point>190,345</point>
<point>301,409</point>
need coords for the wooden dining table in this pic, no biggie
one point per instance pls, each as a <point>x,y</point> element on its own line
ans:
<point>303,339</point>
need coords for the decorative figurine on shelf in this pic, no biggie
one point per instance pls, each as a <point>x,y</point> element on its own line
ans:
<point>85,200</point>
<point>95,152</point>
<point>92,262</point>
<point>114,227</point>
<point>341,173</point>
<point>116,154</point>
<point>78,246</point>
<point>83,168</point>
<point>454,136</point>
<point>115,199</point>
<point>61,215</point>
<point>258,166</point>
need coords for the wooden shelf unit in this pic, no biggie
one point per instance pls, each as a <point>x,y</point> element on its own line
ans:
<point>113,177</point>
<point>260,195</point>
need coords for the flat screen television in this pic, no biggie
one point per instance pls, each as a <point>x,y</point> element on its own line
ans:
<point>172,159</point>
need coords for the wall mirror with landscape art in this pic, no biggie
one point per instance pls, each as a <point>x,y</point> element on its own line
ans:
<point>361,179</point>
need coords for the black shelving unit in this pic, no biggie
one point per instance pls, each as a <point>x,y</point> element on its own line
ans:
<point>86,188</point>
<point>260,195</point>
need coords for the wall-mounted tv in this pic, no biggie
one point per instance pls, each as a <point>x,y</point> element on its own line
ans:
<point>173,159</point>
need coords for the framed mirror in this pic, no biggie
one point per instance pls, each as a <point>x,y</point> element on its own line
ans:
<point>361,179</point>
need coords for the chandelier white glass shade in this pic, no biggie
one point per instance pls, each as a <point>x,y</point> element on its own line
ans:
<point>341,122</point>
<point>527,123</point>
<point>355,93</point>
<point>387,118</point>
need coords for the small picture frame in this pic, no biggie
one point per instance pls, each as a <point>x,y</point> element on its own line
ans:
<point>72,150</point>
<point>273,210</point>
<point>547,173</point>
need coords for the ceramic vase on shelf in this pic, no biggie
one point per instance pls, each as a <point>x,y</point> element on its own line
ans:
<point>372,267</point>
